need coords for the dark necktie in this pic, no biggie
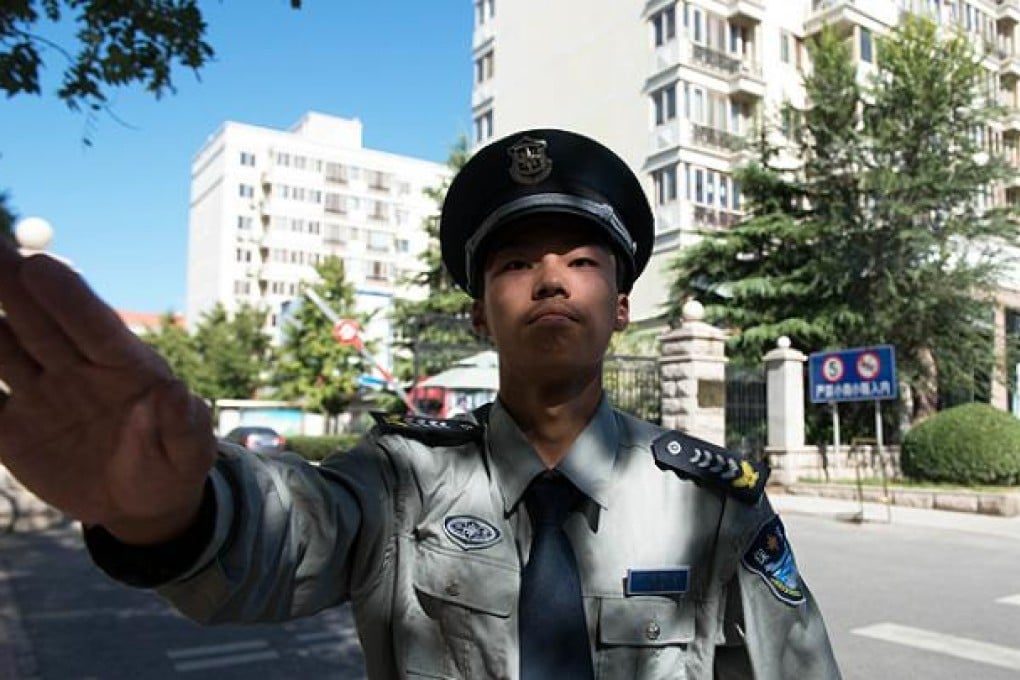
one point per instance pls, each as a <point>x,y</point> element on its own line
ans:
<point>553,633</point>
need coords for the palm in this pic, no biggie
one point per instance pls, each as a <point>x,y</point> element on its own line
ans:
<point>96,424</point>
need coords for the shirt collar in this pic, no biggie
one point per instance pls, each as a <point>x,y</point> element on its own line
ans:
<point>588,464</point>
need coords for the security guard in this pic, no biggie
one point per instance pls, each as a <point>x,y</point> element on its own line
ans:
<point>547,536</point>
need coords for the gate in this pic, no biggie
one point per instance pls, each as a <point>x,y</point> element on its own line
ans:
<point>634,386</point>
<point>746,419</point>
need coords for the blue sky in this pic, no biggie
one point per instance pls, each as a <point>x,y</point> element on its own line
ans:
<point>120,207</point>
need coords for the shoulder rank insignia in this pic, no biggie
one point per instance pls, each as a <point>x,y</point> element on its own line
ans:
<point>711,464</point>
<point>434,431</point>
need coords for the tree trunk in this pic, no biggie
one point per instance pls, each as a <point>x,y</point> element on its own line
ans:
<point>926,387</point>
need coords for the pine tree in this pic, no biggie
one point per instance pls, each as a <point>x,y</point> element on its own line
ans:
<point>885,233</point>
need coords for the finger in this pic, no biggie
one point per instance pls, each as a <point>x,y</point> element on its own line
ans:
<point>37,332</point>
<point>17,368</point>
<point>185,430</point>
<point>94,329</point>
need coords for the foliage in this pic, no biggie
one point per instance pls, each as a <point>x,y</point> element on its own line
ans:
<point>436,331</point>
<point>7,217</point>
<point>313,367</point>
<point>174,344</point>
<point>970,444</point>
<point>318,448</point>
<point>883,233</point>
<point>635,341</point>
<point>233,351</point>
<point>119,42</point>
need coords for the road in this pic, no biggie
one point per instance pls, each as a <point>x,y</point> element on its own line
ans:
<point>900,602</point>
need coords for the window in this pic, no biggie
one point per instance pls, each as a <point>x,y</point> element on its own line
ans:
<point>784,47</point>
<point>335,203</point>
<point>246,191</point>
<point>484,67</point>
<point>483,126</point>
<point>300,162</point>
<point>664,25</point>
<point>334,233</point>
<point>403,245</point>
<point>665,185</point>
<point>283,159</point>
<point>664,101</point>
<point>699,185</point>
<point>241,288</point>
<point>378,241</point>
<point>247,158</point>
<point>866,52</point>
<point>244,223</point>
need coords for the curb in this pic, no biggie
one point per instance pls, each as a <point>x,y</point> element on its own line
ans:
<point>992,503</point>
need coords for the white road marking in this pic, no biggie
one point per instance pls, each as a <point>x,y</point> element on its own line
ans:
<point>216,656</point>
<point>1010,599</point>
<point>219,661</point>
<point>951,645</point>
<point>209,650</point>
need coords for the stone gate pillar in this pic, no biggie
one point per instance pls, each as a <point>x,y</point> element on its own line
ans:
<point>692,367</point>
<point>784,386</point>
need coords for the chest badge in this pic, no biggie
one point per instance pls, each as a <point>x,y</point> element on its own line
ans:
<point>471,533</point>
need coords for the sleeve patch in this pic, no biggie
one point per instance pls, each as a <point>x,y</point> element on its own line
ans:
<point>435,431</point>
<point>705,462</point>
<point>771,557</point>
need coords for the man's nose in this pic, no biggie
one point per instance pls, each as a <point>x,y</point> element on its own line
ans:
<point>550,279</point>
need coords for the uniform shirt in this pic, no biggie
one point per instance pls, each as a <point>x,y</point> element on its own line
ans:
<point>427,541</point>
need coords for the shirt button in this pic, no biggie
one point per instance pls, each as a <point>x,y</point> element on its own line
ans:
<point>453,589</point>
<point>652,630</point>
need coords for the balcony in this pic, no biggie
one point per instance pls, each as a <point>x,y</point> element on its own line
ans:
<point>704,217</point>
<point>843,15</point>
<point>714,59</point>
<point>665,136</point>
<point>747,83</point>
<point>1009,64</point>
<point>482,93</point>
<point>665,56</point>
<point>746,11</point>
<point>1011,123</point>
<point>667,218</point>
<point>1008,11</point>
<point>715,139</point>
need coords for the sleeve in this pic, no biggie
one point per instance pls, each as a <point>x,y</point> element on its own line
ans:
<point>773,628</point>
<point>277,538</point>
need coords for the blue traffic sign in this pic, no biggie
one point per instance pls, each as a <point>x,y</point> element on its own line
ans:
<point>368,380</point>
<point>861,374</point>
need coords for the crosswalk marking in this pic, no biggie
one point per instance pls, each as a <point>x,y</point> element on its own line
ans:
<point>964,648</point>
<point>1010,599</point>
<point>208,650</point>
<point>215,656</point>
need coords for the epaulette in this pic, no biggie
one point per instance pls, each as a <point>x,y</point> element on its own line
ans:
<point>713,465</point>
<point>432,431</point>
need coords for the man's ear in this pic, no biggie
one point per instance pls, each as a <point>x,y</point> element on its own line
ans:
<point>478,320</point>
<point>622,318</point>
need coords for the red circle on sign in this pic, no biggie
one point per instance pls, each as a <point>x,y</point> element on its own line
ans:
<point>832,368</point>
<point>345,331</point>
<point>868,365</point>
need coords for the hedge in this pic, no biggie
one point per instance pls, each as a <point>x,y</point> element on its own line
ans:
<point>317,448</point>
<point>972,444</point>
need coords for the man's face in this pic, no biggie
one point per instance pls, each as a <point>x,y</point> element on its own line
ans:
<point>550,301</point>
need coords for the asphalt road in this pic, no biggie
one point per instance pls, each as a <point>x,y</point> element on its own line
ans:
<point>900,602</point>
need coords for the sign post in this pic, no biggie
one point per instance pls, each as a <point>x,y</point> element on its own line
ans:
<point>860,374</point>
<point>348,332</point>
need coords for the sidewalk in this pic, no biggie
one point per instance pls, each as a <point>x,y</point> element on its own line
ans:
<point>1003,527</point>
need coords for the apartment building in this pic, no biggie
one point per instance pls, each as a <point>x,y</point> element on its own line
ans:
<point>675,85</point>
<point>268,205</point>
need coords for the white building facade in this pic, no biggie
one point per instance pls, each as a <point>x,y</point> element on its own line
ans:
<point>268,205</point>
<point>674,86</point>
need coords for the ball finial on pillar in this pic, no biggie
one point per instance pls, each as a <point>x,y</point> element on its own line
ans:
<point>783,342</point>
<point>693,310</point>
<point>33,233</point>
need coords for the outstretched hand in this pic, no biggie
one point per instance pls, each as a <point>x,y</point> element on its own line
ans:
<point>94,423</point>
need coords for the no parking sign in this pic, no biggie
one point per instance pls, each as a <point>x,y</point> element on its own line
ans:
<point>861,374</point>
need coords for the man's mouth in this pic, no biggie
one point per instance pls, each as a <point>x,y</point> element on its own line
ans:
<point>553,313</point>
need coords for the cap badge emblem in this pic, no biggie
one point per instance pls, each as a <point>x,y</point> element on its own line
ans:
<point>529,163</point>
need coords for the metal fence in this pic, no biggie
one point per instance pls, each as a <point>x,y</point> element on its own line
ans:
<point>634,385</point>
<point>746,418</point>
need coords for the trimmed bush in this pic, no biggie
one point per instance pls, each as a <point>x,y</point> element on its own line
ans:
<point>970,444</point>
<point>317,448</point>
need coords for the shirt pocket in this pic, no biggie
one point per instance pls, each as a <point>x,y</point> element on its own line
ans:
<point>643,638</point>
<point>466,601</point>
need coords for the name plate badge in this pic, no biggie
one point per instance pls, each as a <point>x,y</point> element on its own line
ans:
<point>657,581</point>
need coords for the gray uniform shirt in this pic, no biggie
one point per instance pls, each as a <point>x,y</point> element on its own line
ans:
<point>427,542</point>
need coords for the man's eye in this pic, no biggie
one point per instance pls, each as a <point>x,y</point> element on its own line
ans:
<point>514,265</point>
<point>584,262</point>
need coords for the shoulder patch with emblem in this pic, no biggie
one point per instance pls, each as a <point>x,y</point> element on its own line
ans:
<point>771,557</point>
<point>704,462</point>
<point>427,430</point>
